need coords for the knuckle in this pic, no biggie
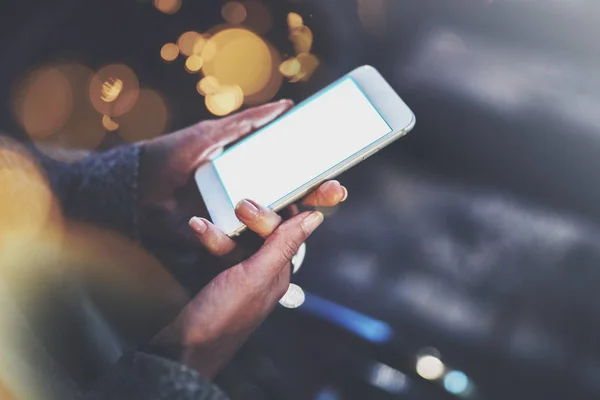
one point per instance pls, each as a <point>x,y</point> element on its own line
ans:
<point>272,221</point>
<point>217,246</point>
<point>200,130</point>
<point>289,246</point>
<point>208,124</point>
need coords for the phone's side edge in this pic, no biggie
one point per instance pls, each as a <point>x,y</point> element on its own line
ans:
<point>215,198</point>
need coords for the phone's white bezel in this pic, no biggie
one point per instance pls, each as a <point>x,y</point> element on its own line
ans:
<point>391,107</point>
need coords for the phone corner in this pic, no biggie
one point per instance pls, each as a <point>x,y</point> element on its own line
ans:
<point>412,123</point>
<point>198,172</point>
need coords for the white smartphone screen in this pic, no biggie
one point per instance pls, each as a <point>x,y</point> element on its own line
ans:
<point>302,145</point>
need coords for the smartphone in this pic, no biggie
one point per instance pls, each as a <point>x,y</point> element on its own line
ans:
<point>325,135</point>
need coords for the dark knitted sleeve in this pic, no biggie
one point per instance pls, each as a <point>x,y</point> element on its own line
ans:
<point>100,189</point>
<point>139,376</point>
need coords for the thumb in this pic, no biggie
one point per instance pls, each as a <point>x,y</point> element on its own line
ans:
<point>256,117</point>
<point>198,143</point>
<point>276,254</point>
<point>231,129</point>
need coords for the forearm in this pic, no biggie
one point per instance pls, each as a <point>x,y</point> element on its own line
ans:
<point>100,189</point>
<point>140,376</point>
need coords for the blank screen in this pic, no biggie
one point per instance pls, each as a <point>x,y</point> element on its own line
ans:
<point>302,145</point>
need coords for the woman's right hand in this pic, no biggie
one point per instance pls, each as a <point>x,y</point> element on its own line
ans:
<point>221,317</point>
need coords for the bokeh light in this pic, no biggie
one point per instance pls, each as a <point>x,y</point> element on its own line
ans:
<point>290,68</point>
<point>6,393</point>
<point>387,378</point>
<point>372,15</point>
<point>226,100</point>
<point>298,258</point>
<point>244,59</point>
<point>44,103</point>
<point>148,119</point>
<point>294,21</point>
<point>274,83</point>
<point>114,79</point>
<point>193,63</point>
<point>294,297</point>
<point>456,382</point>
<point>258,18</point>
<point>302,39</point>
<point>27,204</point>
<point>300,68</point>
<point>111,89</point>
<point>234,12</point>
<point>168,6</point>
<point>54,130</point>
<point>430,367</point>
<point>190,43</point>
<point>209,50</point>
<point>308,65</point>
<point>84,130</point>
<point>118,272</point>
<point>109,124</point>
<point>208,85</point>
<point>169,52</point>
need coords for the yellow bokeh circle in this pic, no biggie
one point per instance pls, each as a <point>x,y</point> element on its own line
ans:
<point>242,58</point>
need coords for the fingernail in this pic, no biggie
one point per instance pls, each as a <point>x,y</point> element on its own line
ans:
<point>198,225</point>
<point>215,153</point>
<point>312,222</point>
<point>345,197</point>
<point>246,210</point>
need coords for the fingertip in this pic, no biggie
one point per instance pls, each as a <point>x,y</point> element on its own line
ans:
<point>332,183</point>
<point>213,239</point>
<point>286,102</point>
<point>258,218</point>
<point>312,222</point>
<point>335,191</point>
<point>277,106</point>
<point>331,193</point>
<point>247,210</point>
<point>198,225</point>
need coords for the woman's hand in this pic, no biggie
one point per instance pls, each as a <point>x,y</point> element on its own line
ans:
<point>220,318</point>
<point>168,195</point>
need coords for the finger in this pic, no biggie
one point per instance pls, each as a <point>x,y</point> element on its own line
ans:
<point>329,194</point>
<point>199,143</point>
<point>215,241</point>
<point>257,218</point>
<point>233,128</point>
<point>279,248</point>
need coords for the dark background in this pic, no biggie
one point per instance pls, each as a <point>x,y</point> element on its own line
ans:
<point>475,235</point>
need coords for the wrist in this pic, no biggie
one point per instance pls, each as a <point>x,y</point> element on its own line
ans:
<point>204,364</point>
<point>174,352</point>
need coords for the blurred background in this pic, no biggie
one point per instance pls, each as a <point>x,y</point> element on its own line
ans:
<point>467,260</point>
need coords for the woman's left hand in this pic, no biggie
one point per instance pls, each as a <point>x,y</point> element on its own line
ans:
<point>168,195</point>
